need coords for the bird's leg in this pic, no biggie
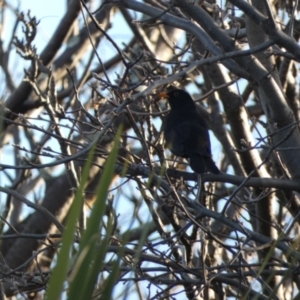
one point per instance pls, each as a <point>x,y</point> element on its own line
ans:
<point>200,195</point>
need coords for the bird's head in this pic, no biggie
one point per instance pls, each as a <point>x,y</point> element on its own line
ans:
<point>178,99</point>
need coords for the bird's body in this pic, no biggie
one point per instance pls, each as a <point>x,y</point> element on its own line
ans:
<point>186,132</point>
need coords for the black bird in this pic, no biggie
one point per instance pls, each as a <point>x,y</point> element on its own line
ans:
<point>186,132</point>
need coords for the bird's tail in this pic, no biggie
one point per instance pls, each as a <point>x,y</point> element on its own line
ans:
<point>210,165</point>
<point>201,164</point>
<point>197,164</point>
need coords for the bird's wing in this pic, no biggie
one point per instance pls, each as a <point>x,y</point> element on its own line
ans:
<point>200,142</point>
<point>176,137</point>
<point>186,138</point>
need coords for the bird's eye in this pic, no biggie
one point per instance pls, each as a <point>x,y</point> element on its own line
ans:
<point>176,94</point>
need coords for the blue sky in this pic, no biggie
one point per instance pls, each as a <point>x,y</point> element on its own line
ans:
<point>49,14</point>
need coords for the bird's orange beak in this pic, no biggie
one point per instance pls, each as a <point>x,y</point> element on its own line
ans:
<point>162,95</point>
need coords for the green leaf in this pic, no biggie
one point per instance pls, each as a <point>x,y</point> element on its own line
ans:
<point>90,261</point>
<point>111,281</point>
<point>59,274</point>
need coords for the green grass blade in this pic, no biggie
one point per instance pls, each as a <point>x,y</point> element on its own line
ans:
<point>59,273</point>
<point>86,270</point>
<point>111,281</point>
